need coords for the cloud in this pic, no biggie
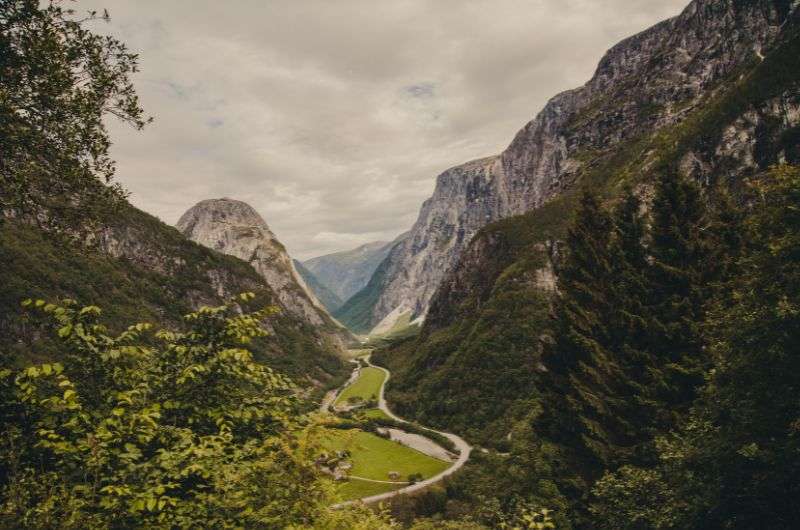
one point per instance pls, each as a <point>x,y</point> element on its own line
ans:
<point>333,119</point>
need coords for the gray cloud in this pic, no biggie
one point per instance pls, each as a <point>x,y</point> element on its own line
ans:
<point>333,118</point>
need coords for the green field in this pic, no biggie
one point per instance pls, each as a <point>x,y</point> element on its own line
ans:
<point>358,489</point>
<point>354,354</point>
<point>366,387</point>
<point>374,457</point>
<point>373,414</point>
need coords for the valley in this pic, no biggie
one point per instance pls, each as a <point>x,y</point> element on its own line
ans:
<point>389,461</point>
<point>594,327</point>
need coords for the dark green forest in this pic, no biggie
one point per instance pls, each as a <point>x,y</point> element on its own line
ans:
<point>578,393</point>
<point>665,393</point>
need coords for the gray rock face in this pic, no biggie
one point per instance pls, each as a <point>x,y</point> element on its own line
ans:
<point>235,228</point>
<point>643,84</point>
<point>465,199</point>
<point>346,273</point>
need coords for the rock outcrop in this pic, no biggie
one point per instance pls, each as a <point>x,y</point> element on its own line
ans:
<point>235,228</point>
<point>645,84</point>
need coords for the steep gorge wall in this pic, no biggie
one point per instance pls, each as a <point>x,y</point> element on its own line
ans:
<point>648,83</point>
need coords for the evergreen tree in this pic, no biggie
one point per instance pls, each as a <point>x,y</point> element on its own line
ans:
<point>725,236</point>
<point>734,461</point>
<point>630,289</point>
<point>749,457</point>
<point>627,320</point>
<point>676,296</point>
<point>581,401</point>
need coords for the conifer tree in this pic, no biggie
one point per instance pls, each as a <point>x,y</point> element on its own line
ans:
<point>582,370</point>
<point>630,285</point>
<point>750,456</point>
<point>678,258</point>
<point>733,462</point>
<point>627,320</point>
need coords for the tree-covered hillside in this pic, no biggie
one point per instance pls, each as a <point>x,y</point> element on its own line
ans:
<point>142,270</point>
<point>572,393</point>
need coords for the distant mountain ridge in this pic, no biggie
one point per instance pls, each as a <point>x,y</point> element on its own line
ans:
<point>347,272</point>
<point>327,297</point>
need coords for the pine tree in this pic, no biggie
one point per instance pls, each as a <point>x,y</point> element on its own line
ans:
<point>581,401</point>
<point>733,462</point>
<point>628,321</point>
<point>751,455</point>
<point>676,296</point>
<point>630,285</point>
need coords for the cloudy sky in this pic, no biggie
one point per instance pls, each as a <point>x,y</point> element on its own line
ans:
<point>333,117</point>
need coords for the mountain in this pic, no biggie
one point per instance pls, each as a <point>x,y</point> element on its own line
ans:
<point>345,273</point>
<point>463,201</point>
<point>235,228</point>
<point>712,95</point>
<point>651,82</point>
<point>138,269</point>
<point>327,297</point>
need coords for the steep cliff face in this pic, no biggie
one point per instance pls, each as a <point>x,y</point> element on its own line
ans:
<point>235,228</point>
<point>346,273</point>
<point>648,83</point>
<point>736,112</point>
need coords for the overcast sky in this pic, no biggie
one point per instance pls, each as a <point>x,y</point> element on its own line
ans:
<point>333,117</point>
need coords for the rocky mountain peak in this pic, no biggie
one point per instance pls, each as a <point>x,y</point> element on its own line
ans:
<point>219,223</point>
<point>234,227</point>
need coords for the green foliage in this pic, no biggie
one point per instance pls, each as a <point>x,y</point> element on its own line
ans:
<point>582,401</point>
<point>528,519</point>
<point>432,524</point>
<point>154,429</point>
<point>675,282</point>
<point>357,517</point>
<point>59,82</point>
<point>733,462</point>
<point>634,498</point>
<point>171,278</point>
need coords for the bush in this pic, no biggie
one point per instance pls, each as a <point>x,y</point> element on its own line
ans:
<point>165,429</point>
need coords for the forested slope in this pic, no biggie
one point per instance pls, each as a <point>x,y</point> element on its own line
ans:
<point>140,269</point>
<point>491,361</point>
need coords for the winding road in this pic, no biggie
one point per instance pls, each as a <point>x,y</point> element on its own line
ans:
<point>464,450</point>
